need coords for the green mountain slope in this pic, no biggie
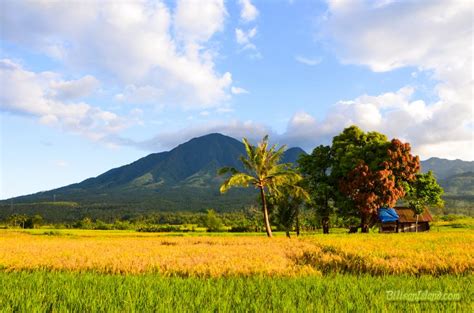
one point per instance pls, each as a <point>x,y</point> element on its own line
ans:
<point>459,184</point>
<point>184,178</point>
<point>443,168</point>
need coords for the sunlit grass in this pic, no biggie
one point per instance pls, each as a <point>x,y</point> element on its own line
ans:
<point>434,253</point>
<point>41,291</point>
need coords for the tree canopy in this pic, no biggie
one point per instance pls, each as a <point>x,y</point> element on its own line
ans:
<point>361,172</point>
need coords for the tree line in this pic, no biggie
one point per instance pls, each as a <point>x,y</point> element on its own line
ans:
<point>355,176</point>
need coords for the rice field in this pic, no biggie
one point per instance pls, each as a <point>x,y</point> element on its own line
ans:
<point>128,253</point>
<point>84,271</point>
<point>41,291</point>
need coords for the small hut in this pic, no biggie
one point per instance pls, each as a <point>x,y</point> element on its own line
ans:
<point>402,220</point>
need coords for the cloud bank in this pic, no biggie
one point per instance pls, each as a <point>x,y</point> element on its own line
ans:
<point>139,44</point>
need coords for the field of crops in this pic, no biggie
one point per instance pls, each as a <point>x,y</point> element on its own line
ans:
<point>424,253</point>
<point>41,291</point>
<point>44,270</point>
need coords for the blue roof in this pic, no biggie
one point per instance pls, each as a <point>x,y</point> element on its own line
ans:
<point>388,215</point>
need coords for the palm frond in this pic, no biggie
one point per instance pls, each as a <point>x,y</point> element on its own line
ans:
<point>238,179</point>
<point>248,148</point>
<point>248,164</point>
<point>226,170</point>
<point>277,155</point>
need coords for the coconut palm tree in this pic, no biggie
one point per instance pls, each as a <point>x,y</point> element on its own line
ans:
<point>263,171</point>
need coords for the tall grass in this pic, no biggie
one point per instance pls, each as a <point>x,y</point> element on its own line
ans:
<point>41,291</point>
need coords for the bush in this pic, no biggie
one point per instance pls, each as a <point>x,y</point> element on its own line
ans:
<point>158,228</point>
<point>241,229</point>
<point>102,225</point>
<point>122,225</point>
<point>212,222</point>
<point>451,217</point>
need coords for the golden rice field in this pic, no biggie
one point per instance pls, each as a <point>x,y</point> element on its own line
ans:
<point>127,252</point>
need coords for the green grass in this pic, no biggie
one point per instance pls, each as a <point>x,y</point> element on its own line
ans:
<point>90,292</point>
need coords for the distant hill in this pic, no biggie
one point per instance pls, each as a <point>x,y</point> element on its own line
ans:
<point>184,178</point>
<point>457,179</point>
<point>459,184</point>
<point>445,168</point>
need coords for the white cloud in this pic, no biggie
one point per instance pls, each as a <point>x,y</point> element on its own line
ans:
<point>308,61</point>
<point>248,11</point>
<point>235,128</point>
<point>395,114</point>
<point>238,90</point>
<point>140,95</point>
<point>138,43</point>
<point>436,38</point>
<point>75,89</point>
<point>36,94</point>
<point>243,38</point>
<point>197,21</point>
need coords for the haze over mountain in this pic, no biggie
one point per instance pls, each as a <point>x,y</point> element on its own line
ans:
<point>184,178</point>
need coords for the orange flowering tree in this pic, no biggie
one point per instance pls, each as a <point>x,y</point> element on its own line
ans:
<point>371,172</point>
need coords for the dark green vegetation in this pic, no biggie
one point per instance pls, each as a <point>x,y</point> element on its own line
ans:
<point>457,179</point>
<point>87,292</point>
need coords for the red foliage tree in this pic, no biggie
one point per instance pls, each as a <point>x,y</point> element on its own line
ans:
<point>371,189</point>
<point>403,165</point>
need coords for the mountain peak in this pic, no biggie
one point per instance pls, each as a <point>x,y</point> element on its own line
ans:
<point>183,177</point>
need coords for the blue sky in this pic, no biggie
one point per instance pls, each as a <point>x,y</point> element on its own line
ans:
<point>88,86</point>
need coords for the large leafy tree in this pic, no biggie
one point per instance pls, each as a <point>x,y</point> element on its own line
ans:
<point>370,171</point>
<point>369,190</point>
<point>316,168</point>
<point>264,171</point>
<point>355,153</point>
<point>403,165</point>
<point>424,191</point>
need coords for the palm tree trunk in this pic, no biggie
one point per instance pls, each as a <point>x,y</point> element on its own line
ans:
<point>325,222</point>
<point>265,213</point>
<point>297,221</point>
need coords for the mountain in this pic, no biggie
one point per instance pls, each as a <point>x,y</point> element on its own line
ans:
<point>459,184</point>
<point>457,179</point>
<point>184,178</point>
<point>443,168</point>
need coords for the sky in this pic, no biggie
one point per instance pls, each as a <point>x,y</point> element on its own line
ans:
<point>86,86</point>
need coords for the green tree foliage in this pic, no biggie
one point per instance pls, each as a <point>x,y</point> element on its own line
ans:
<point>424,191</point>
<point>316,170</point>
<point>17,220</point>
<point>371,172</point>
<point>212,222</point>
<point>85,223</point>
<point>264,171</point>
<point>34,221</point>
<point>286,206</point>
